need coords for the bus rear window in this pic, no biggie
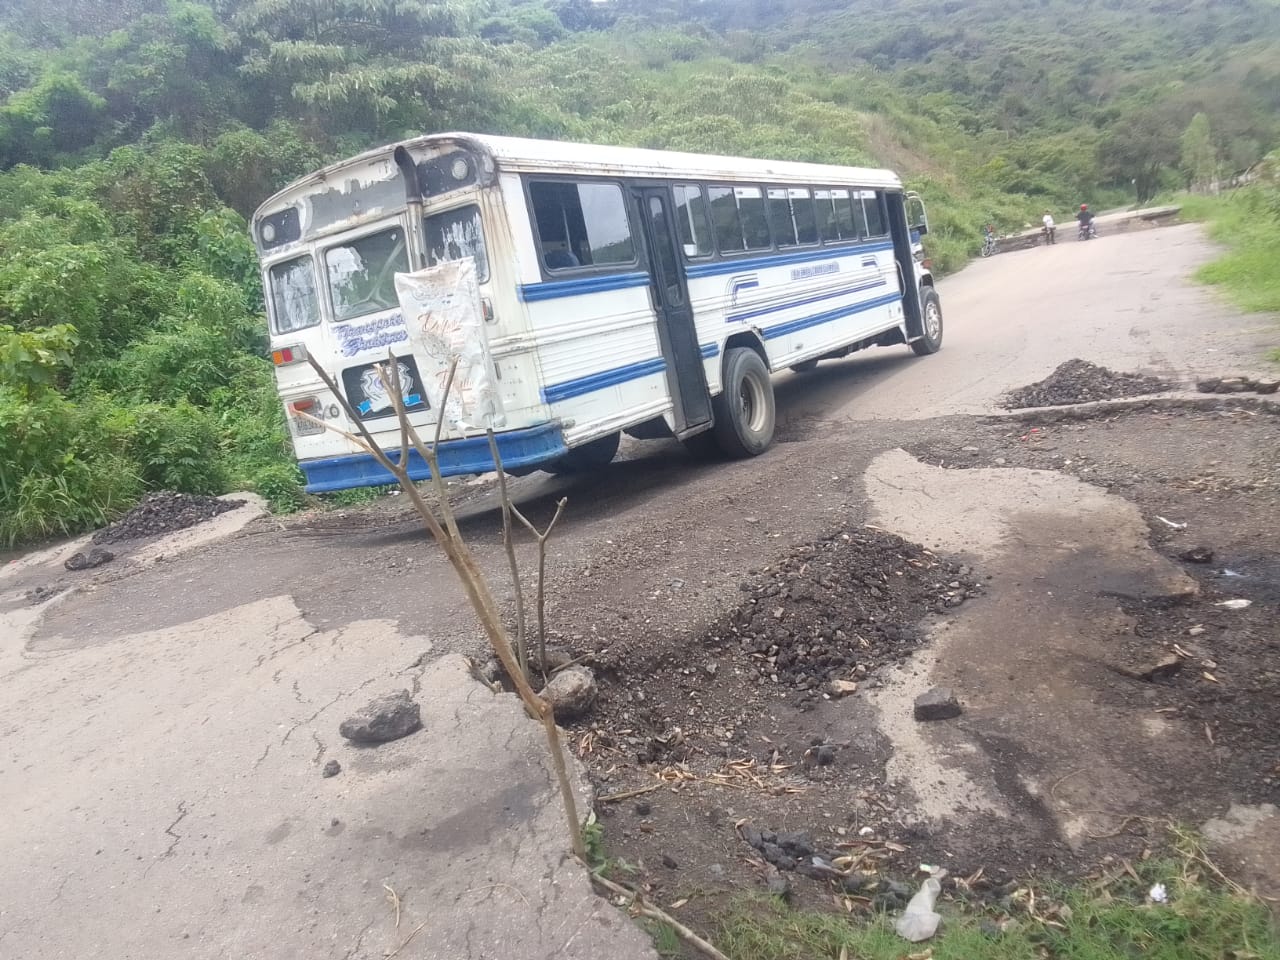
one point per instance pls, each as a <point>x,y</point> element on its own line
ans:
<point>293,295</point>
<point>362,273</point>
<point>456,234</point>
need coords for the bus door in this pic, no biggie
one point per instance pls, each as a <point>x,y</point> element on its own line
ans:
<point>686,377</point>
<point>903,254</point>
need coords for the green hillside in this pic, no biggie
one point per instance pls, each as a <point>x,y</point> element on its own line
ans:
<point>135,135</point>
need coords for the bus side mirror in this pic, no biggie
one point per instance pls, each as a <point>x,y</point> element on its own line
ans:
<point>921,228</point>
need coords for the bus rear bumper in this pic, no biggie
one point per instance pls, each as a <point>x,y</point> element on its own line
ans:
<point>529,448</point>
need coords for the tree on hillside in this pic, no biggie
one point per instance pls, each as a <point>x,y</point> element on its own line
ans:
<point>1138,148</point>
<point>1199,161</point>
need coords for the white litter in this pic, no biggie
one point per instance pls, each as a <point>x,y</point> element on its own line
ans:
<point>1159,894</point>
<point>1170,523</point>
<point>919,921</point>
<point>1237,604</point>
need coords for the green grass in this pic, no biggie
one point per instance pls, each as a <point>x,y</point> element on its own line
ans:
<point>1247,223</point>
<point>1200,922</point>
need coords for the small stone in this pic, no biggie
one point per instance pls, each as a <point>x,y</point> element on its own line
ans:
<point>711,669</point>
<point>1209,385</point>
<point>842,688</point>
<point>331,769</point>
<point>796,843</point>
<point>751,835</point>
<point>669,863</point>
<point>571,692</point>
<point>95,557</point>
<point>1266,386</point>
<point>855,883</point>
<point>1000,461</point>
<point>382,719</point>
<point>825,755</point>
<point>716,870</point>
<point>771,852</point>
<point>1162,669</point>
<point>777,884</point>
<point>940,703</point>
<point>973,450</point>
<point>1196,631</point>
<point>643,808</point>
<point>1232,385</point>
<point>1197,555</point>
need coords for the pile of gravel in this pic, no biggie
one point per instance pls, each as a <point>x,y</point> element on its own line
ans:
<point>839,607</point>
<point>164,512</point>
<point>1079,381</point>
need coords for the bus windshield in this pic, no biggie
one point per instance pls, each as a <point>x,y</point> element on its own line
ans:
<point>362,273</point>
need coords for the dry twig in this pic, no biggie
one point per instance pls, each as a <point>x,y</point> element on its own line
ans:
<point>644,908</point>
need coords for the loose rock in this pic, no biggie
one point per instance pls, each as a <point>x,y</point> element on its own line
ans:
<point>1197,555</point>
<point>331,769</point>
<point>385,718</point>
<point>1079,381</point>
<point>94,557</point>
<point>940,703</point>
<point>842,688</point>
<point>571,692</point>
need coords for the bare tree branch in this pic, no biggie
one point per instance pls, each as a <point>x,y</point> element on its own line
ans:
<point>508,541</point>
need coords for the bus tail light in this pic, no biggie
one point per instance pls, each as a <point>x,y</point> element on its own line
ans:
<point>486,305</point>
<point>295,353</point>
<point>301,426</point>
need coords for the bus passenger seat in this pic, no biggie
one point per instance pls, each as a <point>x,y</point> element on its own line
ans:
<point>559,259</point>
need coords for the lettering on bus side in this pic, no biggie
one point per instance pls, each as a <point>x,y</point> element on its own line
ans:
<point>815,270</point>
<point>385,331</point>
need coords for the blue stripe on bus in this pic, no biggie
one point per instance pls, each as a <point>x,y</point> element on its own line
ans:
<point>781,259</point>
<point>710,350</point>
<point>555,289</point>
<point>814,298</point>
<point>556,392</point>
<point>529,447</point>
<point>782,329</point>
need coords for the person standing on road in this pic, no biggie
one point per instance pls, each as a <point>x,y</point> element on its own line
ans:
<point>1050,229</point>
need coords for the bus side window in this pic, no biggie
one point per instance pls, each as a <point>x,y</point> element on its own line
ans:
<point>581,224</point>
<point>873,204</point>
<point>784,227</point>
<point>724,214</point>
<point>805,217</point>
<point>828,227</point>
<point>859,213</point>
<point>691,221</point>
<point>844,214</point>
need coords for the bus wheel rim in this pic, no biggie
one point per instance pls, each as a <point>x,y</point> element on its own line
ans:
<point>932,321</point>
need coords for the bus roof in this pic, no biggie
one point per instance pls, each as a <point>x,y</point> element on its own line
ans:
<point>517,154</point>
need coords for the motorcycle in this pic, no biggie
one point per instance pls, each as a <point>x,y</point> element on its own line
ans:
<point>1087,231</point>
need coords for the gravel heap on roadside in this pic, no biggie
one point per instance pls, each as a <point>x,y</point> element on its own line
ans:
<point>838,608</point>
<point>1079,381</point>
<point>164,512</point>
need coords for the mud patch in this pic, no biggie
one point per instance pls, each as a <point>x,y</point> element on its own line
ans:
<point>1079,381</point>
<point>164,512</point>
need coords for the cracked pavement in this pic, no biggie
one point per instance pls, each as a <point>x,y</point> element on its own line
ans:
<point>170,789</point>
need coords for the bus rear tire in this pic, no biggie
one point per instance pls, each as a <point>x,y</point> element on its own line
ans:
<point>804,366</point>
<point>931,308</point>
<point>744,409</point>
<point>590,456</point>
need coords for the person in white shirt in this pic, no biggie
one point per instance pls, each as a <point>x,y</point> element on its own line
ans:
<point>1050,229</point>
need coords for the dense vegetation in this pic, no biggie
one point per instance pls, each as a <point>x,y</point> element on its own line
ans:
<point>136,135</point>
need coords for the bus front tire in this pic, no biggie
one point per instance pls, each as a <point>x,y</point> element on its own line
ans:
<point>592,455</point>
<point>744,409</point>
<point>931,308</point>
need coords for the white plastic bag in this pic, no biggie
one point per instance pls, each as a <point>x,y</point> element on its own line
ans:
<point>445,320</point>
<point>919,922</point>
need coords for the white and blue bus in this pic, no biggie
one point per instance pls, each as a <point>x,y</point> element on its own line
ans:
<point>630,291</point>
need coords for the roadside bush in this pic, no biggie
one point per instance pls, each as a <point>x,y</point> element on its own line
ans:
<point>175,447</point>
